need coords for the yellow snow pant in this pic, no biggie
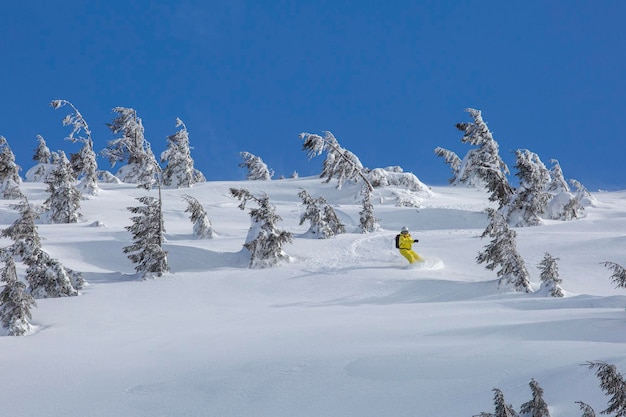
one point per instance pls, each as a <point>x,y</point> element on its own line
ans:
<point>411,256</point>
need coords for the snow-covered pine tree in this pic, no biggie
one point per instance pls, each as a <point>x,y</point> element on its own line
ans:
<point>549,275</point>
<point>15,301</point>
<point>63,203</point>
<point>368,223</point>
<point>179,171</point>
<point>84,164</point>
<point>529,201</point>
<point>264,241</point>
<point>257,169</point>
<point>502,408</point>
<point>42,153</point>
<point>482,166</point>
<point>132,148</point>
<point>619,273</point>
<point>613,385</point>
<point>322,217</point>
<point>502,252</point>
<point>340,163</point>
<point>148,232</point>
<point>43,157</point>
<point>202,227</point>
<point>451,159</point>
<point>9,172</point>
<point>557,182</point>
<point>583,196</point>
<point>536,407</point>
<point>586,409</point>
<point>47,277</point>
<point>23,232</point>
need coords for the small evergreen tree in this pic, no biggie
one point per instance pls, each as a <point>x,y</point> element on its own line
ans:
<point>482,166</point>
<point>47,277</point>
<point>619,273</point>
<point>339,163</point>
<point>15,302</point>
<point>549,275</point>
<point>257,169</point>
<point>9,172</point>
<point>42,156</point>
<point>323,219</point>
<point>502,408</point>
<point>367,222</point>
<point>557,182</point>
<point>131,147</point>
<point>84,164</point>
<point>201,225</point>
<point>179,171</point>
<point>264,241</point>
<point>42,153</point>
<point>63,204</point>
<point>583,196</point>
<point>536,407</point>
<point>529,200</point>
<point>148,236</point>
<point>613,385</point>
<point>502,253</point>
<point>23,231</point>
<point>586,409</point>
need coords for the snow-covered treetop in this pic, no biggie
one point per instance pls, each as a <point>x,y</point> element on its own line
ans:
<point>76,120</point>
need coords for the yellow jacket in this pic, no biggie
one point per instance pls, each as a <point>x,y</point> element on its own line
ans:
<point>406,241</point>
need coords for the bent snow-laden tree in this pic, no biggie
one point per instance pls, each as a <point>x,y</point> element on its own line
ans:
<point>148,232</point>
<point>202,227</point>
<point>15,301</point>
<point>84,163</point>
<point>340,163</point>
<point>613,385</point>
<point>549,276</point>
<point>537,406</point>
<point>451,159</point>
<point>557,183</point>
<point>502,253</point>
<point>586,409</point>
<point>131,147</point>
<point>481,166</point>
<point>257,169</point>
<point>502,409</point>
<point>322,217</point>
<point>63,203</point>
<point>264,241</point>
<point>619,273</point>
<point>9,172</point>
<point>179,171</point>
<point>529,201</point>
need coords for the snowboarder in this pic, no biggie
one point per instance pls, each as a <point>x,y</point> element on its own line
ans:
<point>404,242</point>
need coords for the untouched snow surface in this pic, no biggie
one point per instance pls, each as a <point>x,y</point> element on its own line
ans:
<point>347,329</point>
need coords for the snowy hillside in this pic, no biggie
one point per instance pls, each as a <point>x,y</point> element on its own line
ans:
<point>346,329</point>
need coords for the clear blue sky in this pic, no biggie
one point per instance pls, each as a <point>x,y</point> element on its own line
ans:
<point>389,78</point>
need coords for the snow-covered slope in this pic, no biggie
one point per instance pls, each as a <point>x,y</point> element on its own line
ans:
<point>346,329</point>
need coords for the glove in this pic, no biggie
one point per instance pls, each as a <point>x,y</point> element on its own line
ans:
<point>415,240</point>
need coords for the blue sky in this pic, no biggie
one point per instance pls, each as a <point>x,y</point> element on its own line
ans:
<point>389,79</point>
